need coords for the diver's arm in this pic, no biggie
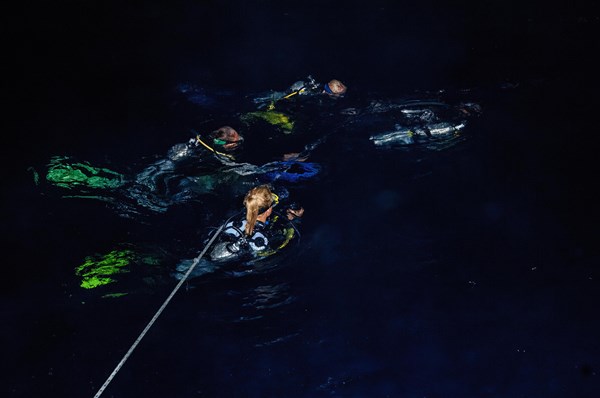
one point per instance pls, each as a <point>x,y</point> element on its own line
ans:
<point>294,211</point>
<point>297,156</point>
<point>303,156</point>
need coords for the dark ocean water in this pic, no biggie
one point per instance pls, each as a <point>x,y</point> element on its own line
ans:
<point>464,272</point>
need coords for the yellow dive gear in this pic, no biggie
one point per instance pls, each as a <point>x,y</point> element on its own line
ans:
<point>272,104</point>
<point>212,149</point>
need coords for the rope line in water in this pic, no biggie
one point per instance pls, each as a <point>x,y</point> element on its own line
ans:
<point>160,310</point>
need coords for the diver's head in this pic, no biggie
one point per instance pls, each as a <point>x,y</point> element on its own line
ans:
<point>259,199</point>
<point>334,88</point>
<point>226,139</point>
<point>259,203</point>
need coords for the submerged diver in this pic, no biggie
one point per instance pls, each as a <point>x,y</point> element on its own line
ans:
<point>308,87</point>
<point>261,232</point>
<point>294,121</point>
<point>220,143</point>
<point>200,157</point>
<point>205,164</point>
<point>333,88</point>
<point>422,120</point>
<point>159,184</point>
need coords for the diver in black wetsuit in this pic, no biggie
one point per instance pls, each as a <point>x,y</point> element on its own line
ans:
<point>296,121</point>
<point>158,184</point>
<point>260,232</point>
<point>419,120</point>
<point>199,156</point>
<point>307,87</point>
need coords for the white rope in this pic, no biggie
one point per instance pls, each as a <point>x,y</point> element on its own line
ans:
<point>160,310</point>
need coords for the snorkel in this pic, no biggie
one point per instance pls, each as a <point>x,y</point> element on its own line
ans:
<point>220,141</point>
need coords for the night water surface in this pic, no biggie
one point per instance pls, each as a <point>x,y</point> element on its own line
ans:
<point>459,267</point>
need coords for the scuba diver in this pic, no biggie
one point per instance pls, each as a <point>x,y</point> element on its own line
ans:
<point>244,240</point>
<point>307,88</point>
<point>206,164</point>
<point>333,88</point>
<point>262,232</point>
<point>159,184</point>
<point>295,121</point>
<point>421,121</point>
<point>198,155</point>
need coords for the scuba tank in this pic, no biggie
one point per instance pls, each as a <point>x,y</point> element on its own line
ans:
<point>223,251</point>
<point>405,135</point>
<point>445,128</point>
<point>237,244</point>
<point>402,136</point>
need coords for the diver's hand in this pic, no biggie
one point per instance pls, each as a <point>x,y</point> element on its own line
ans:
<point>294,213</point>
<point>294,156</point>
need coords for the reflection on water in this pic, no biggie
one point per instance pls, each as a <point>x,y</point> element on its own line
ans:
<point>267,297</point>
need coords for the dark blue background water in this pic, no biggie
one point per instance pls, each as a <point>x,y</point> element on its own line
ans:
<point>470,272</point>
